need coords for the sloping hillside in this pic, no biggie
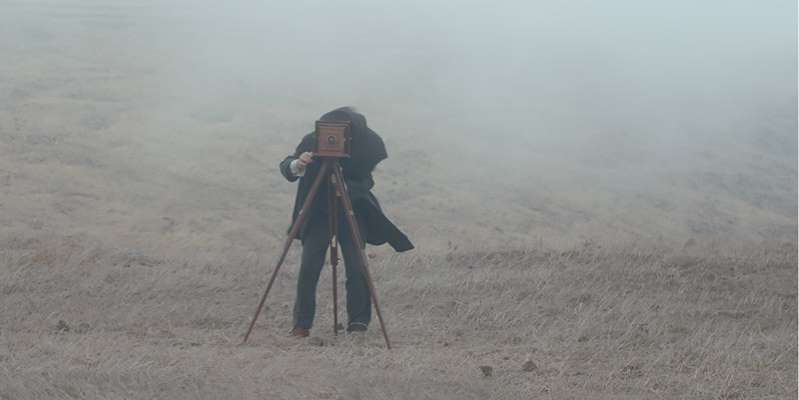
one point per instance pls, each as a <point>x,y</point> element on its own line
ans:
<point>565,249</point>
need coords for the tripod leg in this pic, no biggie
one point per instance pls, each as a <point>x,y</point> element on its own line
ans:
<point>333,226</point>
<point>295,230</point>
<point>335,298</point>
<point>344,197</point>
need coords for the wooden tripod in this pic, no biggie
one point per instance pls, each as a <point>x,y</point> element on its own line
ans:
<point>330,171</point>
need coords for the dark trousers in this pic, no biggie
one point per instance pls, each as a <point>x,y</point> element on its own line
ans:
<point>315,243</point>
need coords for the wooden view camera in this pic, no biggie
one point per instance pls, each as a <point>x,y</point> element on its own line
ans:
<point>332,139</point>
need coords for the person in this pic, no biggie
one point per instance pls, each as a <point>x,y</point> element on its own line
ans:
<point>366,151</point>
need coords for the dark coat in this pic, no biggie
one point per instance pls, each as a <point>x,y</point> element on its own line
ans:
<point>358,178</point>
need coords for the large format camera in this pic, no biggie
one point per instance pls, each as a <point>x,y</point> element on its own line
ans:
<point>332,139</point>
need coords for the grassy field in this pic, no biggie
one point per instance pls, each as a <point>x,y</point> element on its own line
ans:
<point>589,322</point>
<point>141,212</point>
<point>82,320</point>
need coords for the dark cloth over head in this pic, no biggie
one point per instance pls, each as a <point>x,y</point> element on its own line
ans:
<point>366,151</point>
<point>366,146</point>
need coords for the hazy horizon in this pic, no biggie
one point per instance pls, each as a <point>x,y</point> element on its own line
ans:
<point>602,198</point>
<point>590,105</point>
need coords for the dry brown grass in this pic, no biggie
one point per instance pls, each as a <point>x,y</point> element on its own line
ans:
<point>141,212</point>
<point>595,322</point>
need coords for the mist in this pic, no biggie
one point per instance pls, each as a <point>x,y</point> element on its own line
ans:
<point>601,196</point>
<point>542,120</point>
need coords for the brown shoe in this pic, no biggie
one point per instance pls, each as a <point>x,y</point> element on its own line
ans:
<point>300,332</point>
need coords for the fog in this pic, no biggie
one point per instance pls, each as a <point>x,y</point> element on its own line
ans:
<point>504,71</point>
<point>598,109</point>
<point>602,196</point>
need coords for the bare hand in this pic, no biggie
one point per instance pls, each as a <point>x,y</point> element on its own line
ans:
<point>305,159</point>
